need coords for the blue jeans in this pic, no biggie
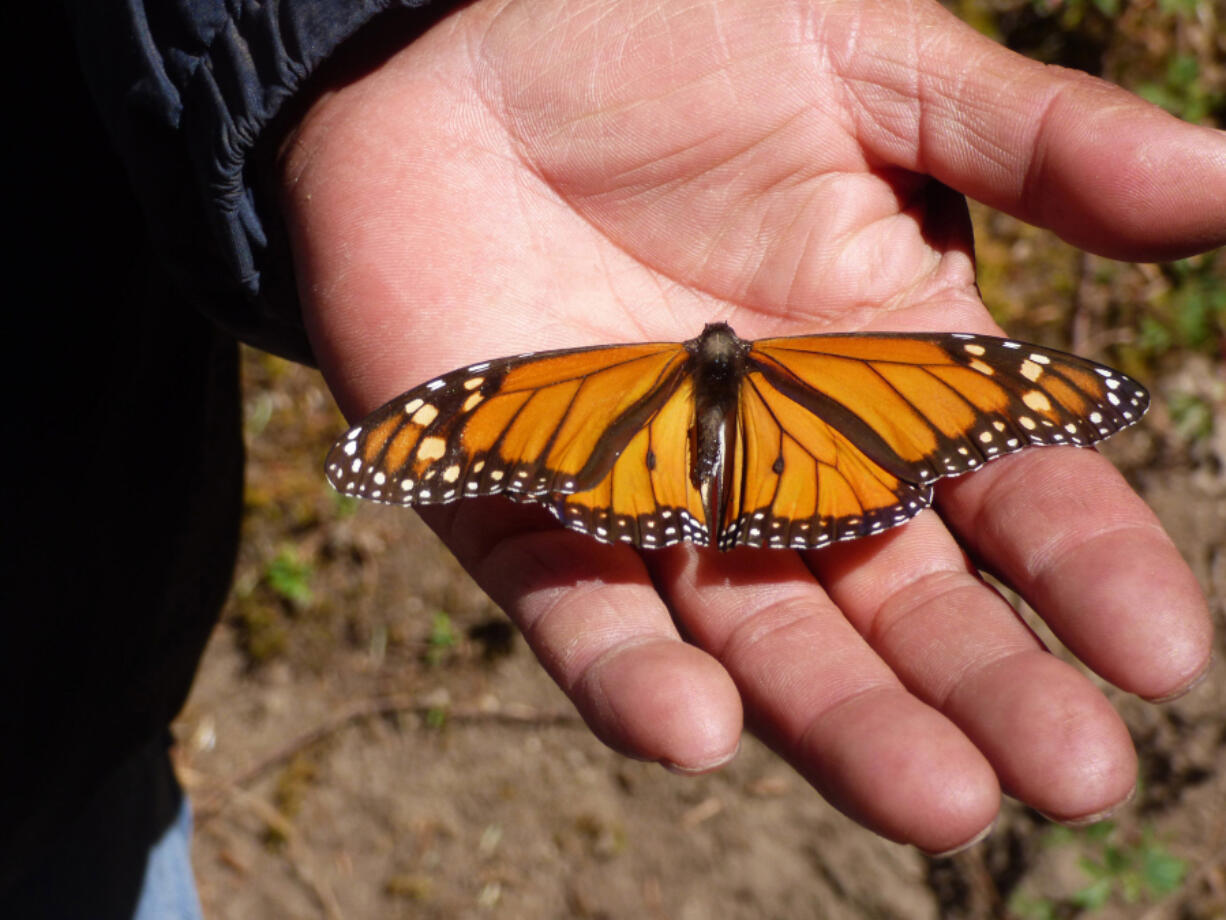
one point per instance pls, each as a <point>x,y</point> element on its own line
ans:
<point>123,857</point>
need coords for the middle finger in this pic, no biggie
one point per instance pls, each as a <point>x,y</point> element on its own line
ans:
<point>817,692</point>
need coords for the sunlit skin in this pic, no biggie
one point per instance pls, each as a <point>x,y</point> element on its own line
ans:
<point>545,174</point>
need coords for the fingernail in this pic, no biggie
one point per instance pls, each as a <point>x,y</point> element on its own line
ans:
<point>695,769</point>
<point>1186,688</point>
<point>945,854</point>
<point>1087,820</point>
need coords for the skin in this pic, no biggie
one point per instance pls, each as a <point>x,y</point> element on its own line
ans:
<point>551,173</point>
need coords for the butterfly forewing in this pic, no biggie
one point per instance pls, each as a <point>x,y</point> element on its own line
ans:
<point>532,425</point>
<point>943,404</point>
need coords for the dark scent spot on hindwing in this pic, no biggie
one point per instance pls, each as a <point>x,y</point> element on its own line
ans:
<point>651,459</point>
<point>777,466</point>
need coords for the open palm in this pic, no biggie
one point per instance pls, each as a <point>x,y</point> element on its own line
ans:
<point>534,174</point>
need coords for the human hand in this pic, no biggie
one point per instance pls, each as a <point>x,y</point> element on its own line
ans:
<point>541,174</point>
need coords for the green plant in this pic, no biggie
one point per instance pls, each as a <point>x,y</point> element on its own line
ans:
<point>1133,869</point>
<point>1178,7</point>
<point>1199,299</point>
<point>1192,415</point>
<point>344,505</point>
<point>289,576</point>
<point>1182,91</point>
<point>442,639</point>
<point>1030,907</point>
<point>1191,313</point>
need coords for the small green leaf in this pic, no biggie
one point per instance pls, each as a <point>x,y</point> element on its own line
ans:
<point>1099,832</point>
<point>1163,871</point>
<point>290,577</point>
<point>1094,895</point>
<point>441,640</point>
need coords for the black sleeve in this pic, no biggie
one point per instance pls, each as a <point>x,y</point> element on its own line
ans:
<point>187,91</point>
<point>123,490</point>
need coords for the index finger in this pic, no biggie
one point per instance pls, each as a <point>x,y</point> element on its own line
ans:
<point>1062,527</point>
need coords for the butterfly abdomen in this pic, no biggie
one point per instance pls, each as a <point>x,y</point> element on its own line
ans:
<point>717,366</point>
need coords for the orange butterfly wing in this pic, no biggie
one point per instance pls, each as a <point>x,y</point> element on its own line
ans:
<point>647,499</point>
<point>532,426</point>
<point>843,435</point>
<point>803,483</point>
<point>836,436</point>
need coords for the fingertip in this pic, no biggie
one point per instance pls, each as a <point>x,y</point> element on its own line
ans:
<point>1065,529</point>
<point>1095,778</point>
<point>1093,817</point>
<point>1165,176</point>
<point>1183,689</point>
<point>662,700</point>
<point>962,847</point>
<point>697,768</point>
<point>593,618</point>
<point>1154,634</point>
<point>904,771</point>
<point>1055,741</point>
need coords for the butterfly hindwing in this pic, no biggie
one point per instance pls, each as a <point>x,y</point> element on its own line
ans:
<point>648,498</point>
<point>805,483</point>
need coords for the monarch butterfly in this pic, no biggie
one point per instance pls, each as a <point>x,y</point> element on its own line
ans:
<point>781,442</point>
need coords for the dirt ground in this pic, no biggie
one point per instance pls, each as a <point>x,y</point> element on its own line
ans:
<point>368,737</point>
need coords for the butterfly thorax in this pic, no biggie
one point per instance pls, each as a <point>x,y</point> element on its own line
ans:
<point>717,365</point>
